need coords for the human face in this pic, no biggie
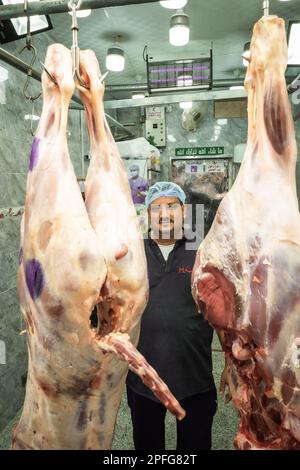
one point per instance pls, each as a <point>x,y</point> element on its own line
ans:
<point>134,173</point>
<point>166,218</point>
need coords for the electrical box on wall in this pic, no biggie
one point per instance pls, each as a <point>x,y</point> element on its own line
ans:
<point>156,126</point>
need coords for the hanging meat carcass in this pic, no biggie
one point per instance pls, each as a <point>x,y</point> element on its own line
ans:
<point>247,272</point>
<point>72,258</point>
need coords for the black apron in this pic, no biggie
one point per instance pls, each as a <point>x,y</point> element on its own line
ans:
<point>175,339</point>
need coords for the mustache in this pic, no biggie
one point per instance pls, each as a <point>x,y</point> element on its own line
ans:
<point>165,219</point>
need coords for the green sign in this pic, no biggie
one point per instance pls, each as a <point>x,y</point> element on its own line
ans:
<point>198,151</point>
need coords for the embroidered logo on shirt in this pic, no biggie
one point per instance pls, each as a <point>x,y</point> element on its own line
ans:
<point>184,270</point>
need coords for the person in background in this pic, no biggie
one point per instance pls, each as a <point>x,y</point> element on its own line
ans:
<point>175,339</point>
<point>138,185</point>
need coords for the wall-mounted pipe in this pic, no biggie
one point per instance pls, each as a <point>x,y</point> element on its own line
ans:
<point>61,6</point>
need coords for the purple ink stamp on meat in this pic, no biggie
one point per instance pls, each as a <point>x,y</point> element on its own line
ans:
<point>34,278</point>
<point>34,154</point>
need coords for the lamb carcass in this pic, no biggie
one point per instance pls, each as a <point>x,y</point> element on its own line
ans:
<point>76,374</point>
<point>247,272</point>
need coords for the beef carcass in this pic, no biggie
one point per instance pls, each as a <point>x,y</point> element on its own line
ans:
<point>75,375</point>
<point>247,271</point>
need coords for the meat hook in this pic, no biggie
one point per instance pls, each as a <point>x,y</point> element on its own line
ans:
<point>50,75</point>
<point>29,46</point>
<point>73,6</point>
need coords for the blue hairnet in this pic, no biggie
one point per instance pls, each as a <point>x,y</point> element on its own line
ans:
<point>134,166</point>
<point>166,189</point>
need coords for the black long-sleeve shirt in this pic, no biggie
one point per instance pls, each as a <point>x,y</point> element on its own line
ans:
<point>175,339</point>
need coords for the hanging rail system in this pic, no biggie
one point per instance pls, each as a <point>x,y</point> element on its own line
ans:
<point>8,12</point>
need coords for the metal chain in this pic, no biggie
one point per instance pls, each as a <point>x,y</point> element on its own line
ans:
<point>75,51</point>
<point>75,3</point>
<point>31,48</point>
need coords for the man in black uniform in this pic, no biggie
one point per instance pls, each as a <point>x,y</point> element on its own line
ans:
<point>174,338</point>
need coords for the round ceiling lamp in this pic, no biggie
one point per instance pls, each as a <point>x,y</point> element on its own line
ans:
<point>81,13</point>
<point>186,104</point>
<point>179,32</point>
<point>115,58</point>
<point>173,4</point>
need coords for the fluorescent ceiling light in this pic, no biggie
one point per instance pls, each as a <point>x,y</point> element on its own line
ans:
<point>236,87</point>
<point>115,60</point>
<point>173,4</point>
<point>3,74</point>
<point>137,96</point>
<point>186,105</point>
<point>293,43</point>
<point>81,13</point>
<point>179,32</point>
<point>37,22</point>
<point>17,27</point>
<point>184,80</point>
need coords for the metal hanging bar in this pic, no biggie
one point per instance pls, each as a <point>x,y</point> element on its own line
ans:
<point>266,7</point>
<point>18,64</point>
<point>61,6</point>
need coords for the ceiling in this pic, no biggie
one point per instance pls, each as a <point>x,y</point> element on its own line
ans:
<point>226,24</point>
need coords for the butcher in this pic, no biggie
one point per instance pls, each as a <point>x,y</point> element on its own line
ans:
<point>174,338</point>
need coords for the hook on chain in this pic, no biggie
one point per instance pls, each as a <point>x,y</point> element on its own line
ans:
<point>29,46</point>
<point>75,51</point>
